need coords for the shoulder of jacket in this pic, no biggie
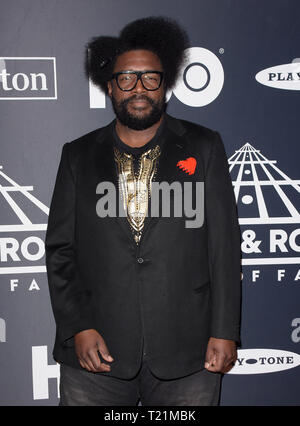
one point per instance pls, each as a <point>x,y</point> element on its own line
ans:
<point>198,129</point>
<point>75,149</point>
<point>190,129</point>
<point>199,138</point>
<point>88,138</point>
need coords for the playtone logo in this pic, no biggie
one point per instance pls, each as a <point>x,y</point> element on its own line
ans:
<point>286,76</point>
<point>260,361</point>
<point>27,78</point>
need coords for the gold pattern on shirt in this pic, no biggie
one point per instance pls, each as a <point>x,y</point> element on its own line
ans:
<point>136,188</point>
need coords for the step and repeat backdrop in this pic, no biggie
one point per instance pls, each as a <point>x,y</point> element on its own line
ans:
<point>243,80</point>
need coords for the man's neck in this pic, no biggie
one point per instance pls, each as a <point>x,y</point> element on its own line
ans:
<point>136,138</point>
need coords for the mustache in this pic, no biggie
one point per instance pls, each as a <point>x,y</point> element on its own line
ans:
<point>138,98</point>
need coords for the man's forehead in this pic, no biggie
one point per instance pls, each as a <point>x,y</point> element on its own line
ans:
<point>138,60</point>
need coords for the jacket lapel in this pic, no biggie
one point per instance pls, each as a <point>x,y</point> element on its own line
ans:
<point>174,149</point>
<point>106,171</point>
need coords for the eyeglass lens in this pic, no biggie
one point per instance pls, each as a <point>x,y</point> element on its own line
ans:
<point>150,81</point>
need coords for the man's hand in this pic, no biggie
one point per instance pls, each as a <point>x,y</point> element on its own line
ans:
<point>87,345</point>
<point>221,355</point>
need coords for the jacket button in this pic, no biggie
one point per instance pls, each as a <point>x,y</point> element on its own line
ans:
<point>140,260</point>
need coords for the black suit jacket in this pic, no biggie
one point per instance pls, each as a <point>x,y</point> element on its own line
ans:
<point>186,289</point>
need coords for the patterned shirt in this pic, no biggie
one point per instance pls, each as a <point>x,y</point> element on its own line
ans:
<point>136,169</point>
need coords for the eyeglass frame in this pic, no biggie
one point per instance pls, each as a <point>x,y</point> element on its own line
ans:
<point>139,77</point>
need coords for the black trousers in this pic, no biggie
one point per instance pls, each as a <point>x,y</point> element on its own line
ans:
<point>80,387</point>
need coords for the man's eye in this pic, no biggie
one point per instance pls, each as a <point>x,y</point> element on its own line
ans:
<point>150,77</point>
<point>126,77</point>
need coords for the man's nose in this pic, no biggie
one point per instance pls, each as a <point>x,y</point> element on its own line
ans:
<point>139,87</point>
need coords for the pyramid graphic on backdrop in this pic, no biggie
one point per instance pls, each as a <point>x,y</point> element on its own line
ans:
<point>16,196</point>
<point>264,194</point>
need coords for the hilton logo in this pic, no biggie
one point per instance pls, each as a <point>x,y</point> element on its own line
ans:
<point>27,78</point>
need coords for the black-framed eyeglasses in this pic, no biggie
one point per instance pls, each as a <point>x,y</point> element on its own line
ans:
<point>127,80</point>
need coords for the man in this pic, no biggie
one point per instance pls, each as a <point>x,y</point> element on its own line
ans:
<point>146,307</point>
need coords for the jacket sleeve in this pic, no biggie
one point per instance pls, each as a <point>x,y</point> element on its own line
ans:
<point>224,245</point>
<point>69,298</point>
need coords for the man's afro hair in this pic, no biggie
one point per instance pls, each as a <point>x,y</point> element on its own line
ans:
<point>161,35</point>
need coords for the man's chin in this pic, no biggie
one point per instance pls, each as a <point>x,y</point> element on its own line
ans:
<point>139,115</point>
<point>139,118</point>
<point>140,123</point>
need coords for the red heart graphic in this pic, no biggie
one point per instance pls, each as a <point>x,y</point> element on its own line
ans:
<point>188,165</point>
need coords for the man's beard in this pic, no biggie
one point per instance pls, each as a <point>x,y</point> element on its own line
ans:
<point>134,121</point>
